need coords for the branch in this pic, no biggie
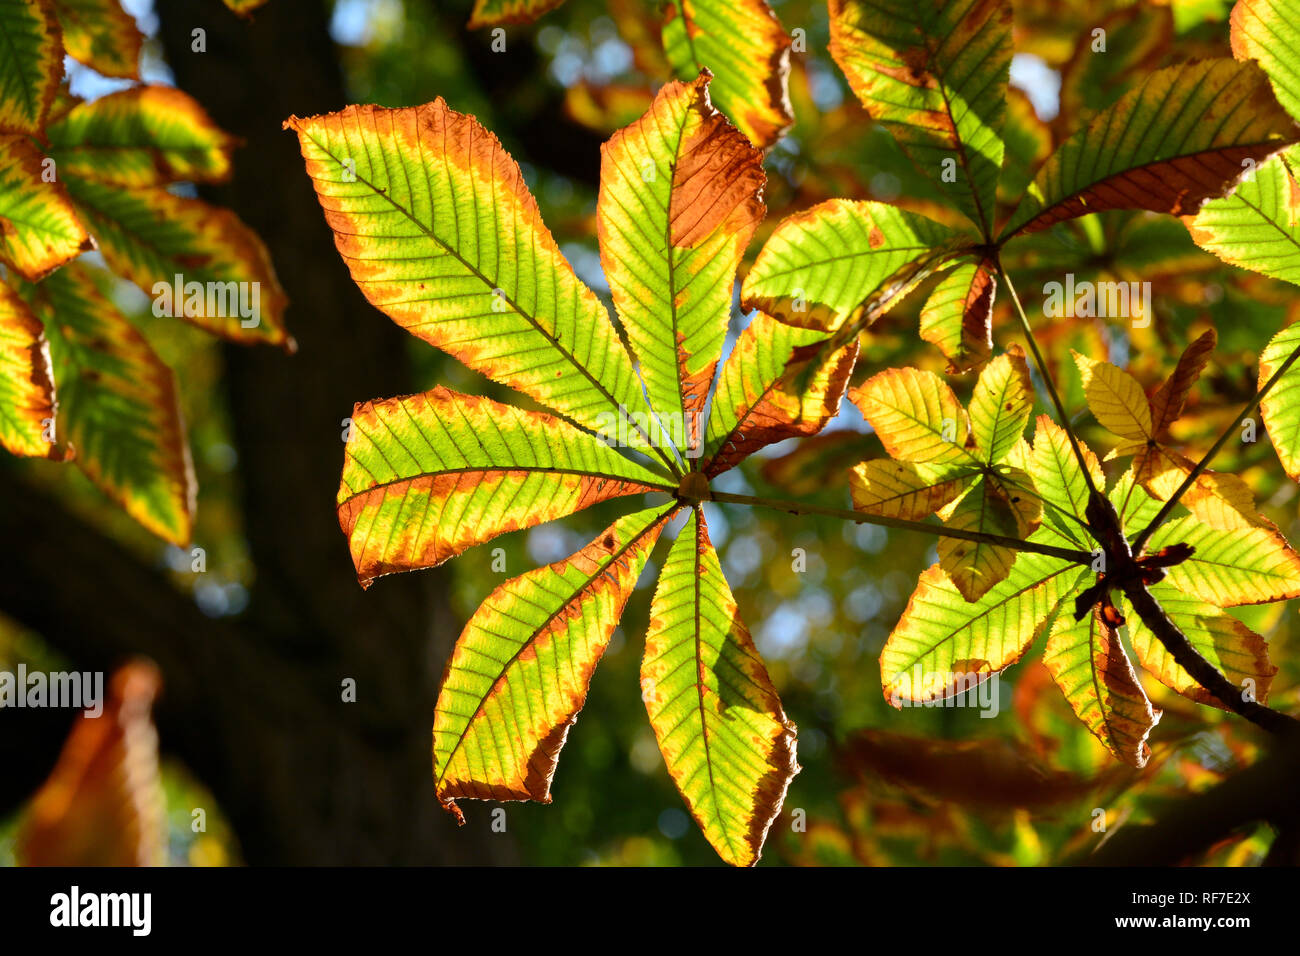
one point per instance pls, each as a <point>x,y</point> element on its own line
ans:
<point>796,508</point>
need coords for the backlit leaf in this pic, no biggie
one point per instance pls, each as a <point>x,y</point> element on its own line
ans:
<point>743,44</point>
<point>39,230</point>
<point>1179,138</point>
<point>427,476</point>
<point>101,35</point>
<point>778,382</point>
<point>118,405</point>
<point>490,13</point>
<point>1001,405</point>
<point>916,415</point>
<point>143,136</point>
<point>435,223</point>
<point>26,380</point>
<point>823,266</point>
<point>1258,226</point>
<point>1115,398</point>
<point>1269,31</point>
<point>1090,666</point>
<point>32,65</point>
<point>152,236</point>
<point>935,74</point>
<point>1235,650</point>
<point>958,316</point>
<point>680,195</point>
<point>941,637</point>
<point>519,673</point>
<point>1230,567</point>
<point>988,507</point>
<point>904,489</point>
<point>1281,406</point>
<point>727,743</point>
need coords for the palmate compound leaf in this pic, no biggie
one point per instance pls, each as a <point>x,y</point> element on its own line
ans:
<point>118,406</point>
<point>1089,664</point>
<point>32,65</point>
<point>680,196</point>
<point>39,229</point>
<point>1184,135</point>
<point>427,476</point>
<point>27,399</point>
<point>431,474</point>
<point>935,74</point>
<point>519,673</point>
<point>744,45</point>
<point>943,464</point>
<point>716,715</point>
<point>1119,404</point>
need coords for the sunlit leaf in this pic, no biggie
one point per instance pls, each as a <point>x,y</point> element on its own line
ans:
<point>1001,405</point>
<point>935,74</point>
<point>727,743</point>
<point>778,382</point>
<point>743,44</point>
<point>32,65</point>
<point>1181,137</point>
<point>438,229</point>
<point>490,13</point>
<point>39,230</point>
<point>118,405</point>
<point>26,380</point>
<point>957,318</point>
<point>1115,399</point>
<point>427,476</point>
<point>1269,31</point>
<point>1281,406</point>
<point>1057,477</point>
<point>519,673</point>
<point>143,136</point>
<point>102,35</point>
<point>822,267</point>
<point>1090,666</point>
<point>1235,650</point>
<point>904,489</point>
<point>989,507</point>
<point>941,637</point>
<point>680,195</point>
<point>152,236</point>
<point>916,415</point>
<point>1230,567</point>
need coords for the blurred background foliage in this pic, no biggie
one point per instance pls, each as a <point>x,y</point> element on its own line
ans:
<point>879,786</point>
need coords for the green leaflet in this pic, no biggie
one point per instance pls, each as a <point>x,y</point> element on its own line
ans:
<point>438,229</point>
<point>1269,31</point>
<point>1181,137</point>
<point>719,723</point>
<point>680,196</point>
<point>1092,669</point>
<point>429,475</point>
<point>1258,226</point>
<point>32,64</point>
<point>1281,406</point>
<point>118,406</point>
<point>743,44</point>
<point>842,260</point>
<point>935,74</point>
<point>524,662</point>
